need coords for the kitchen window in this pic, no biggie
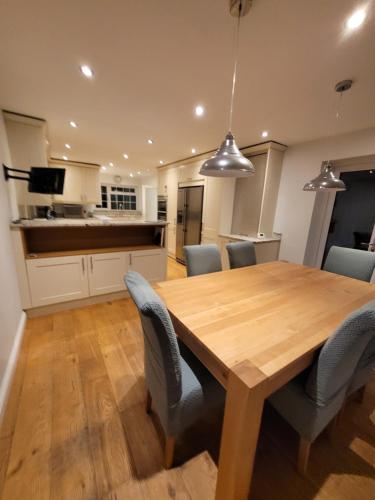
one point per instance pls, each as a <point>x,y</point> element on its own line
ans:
<point>116,197</point>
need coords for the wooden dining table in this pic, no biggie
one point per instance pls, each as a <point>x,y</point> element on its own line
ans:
<point>255,328</point>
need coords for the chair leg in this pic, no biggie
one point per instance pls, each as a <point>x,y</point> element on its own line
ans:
<point>360,394</point>
<point>303,455</point>
<point>148,402</point>
<point>170,442</point>
<point>332,427</point>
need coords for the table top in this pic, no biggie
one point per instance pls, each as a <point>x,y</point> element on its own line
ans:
<point>271,315</point>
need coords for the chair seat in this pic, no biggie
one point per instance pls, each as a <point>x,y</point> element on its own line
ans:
<point>200,392</point>
<point>301,412</point>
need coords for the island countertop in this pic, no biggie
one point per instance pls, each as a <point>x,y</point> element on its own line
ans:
<point>89,222</point>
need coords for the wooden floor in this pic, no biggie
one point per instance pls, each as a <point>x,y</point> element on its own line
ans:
<point>75,425</point>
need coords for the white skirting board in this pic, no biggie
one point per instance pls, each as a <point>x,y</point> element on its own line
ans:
<point>11,365</point>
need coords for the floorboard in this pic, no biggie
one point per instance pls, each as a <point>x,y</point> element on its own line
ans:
<point>75,425</point>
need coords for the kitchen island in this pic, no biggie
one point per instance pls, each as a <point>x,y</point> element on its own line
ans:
<point>65,263</point>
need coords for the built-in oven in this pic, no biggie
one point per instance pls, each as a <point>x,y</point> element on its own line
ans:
<point>162,208</point>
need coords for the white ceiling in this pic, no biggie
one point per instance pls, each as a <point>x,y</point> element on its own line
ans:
<point>154,60</point>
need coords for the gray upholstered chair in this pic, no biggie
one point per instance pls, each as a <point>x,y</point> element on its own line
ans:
<point>312,400</point>
<point>180,388</point>
<point>202,259</point>
<point>350,262</point>
<point>364,371</point>
<point>241,254</point>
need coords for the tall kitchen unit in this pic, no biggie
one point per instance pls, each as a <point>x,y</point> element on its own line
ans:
<point>189,218</point>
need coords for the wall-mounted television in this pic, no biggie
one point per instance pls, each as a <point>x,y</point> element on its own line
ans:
<point>46,180</point>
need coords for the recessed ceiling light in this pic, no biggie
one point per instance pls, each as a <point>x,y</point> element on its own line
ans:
<point>150,141</point>
<point>47,142</point>
<point>264,133</point>
<point>193,150</point>
<point>68,146</point>
<point>86,71</point>
<point>103,167</point>
<point>73,124</point>
<point>356,19</point>
<point>161,162</point>
<point>139,173</point>
<point>131,175</point>
<point>64,157</point>
<point>199,110</point>
<point>371,171</point>
<point>110,164</point>
<point>125,156</point>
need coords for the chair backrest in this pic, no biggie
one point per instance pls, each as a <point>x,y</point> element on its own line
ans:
<point>202,259</point>
<point>241,254</point>
<point>339,357</point>
<point>162,354</point>
<point>350,262</point>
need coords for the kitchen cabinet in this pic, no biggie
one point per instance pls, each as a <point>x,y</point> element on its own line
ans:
<point>60,279</point>
<point>151,264</point>
<point>57,279</point>
<point>81,184</point>
<point>28,147</point>
<point>106,272</point>
<point>172,191</point>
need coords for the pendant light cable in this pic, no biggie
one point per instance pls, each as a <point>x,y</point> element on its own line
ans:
<point>236,45</point>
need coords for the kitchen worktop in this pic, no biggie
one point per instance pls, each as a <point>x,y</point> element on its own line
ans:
<point>252,239</point>
<point>85,222</point>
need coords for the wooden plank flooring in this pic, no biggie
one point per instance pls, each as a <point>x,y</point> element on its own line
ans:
<point>75,425</point>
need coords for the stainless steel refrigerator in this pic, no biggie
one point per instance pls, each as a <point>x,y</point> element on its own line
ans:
<point>189,218</point>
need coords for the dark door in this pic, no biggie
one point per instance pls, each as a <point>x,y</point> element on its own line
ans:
<point>353,214</point>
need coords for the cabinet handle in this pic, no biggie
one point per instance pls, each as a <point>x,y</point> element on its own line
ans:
<point>83,265</point>
<point>92,265</point>
<point>130,259</point>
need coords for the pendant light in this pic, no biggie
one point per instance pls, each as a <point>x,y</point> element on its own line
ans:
<point>228,160</point>
<point>327,180</point>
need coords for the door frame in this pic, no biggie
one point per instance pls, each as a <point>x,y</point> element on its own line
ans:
<point>323,208</point>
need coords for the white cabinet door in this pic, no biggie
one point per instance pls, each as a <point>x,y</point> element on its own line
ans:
<point>106,272</point>
<point>73,185</point>
<point>81,185</point>
<point>151,264</point>
<point>91,185</point>
<point>57,279</point>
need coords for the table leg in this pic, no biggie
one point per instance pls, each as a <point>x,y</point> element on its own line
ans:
<point>246,391</point>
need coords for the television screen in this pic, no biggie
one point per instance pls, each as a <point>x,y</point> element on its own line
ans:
<point>46,180</point>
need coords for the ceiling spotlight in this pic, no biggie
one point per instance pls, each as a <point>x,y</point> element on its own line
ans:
<point>161,162</point>
<point>199,110</point>
<point>73,124</point>
<point>139,173</point>
<point>193,150</point>
<point>131,175</point>
<point>264,133</point>
<point>68,146</point>
<point>64,157</point>
<point>356,19</point>
<point>150,141</point>
<point>125,156</point>
<point>110,164</point>
<point>86,71</point>
<point>103,167</point>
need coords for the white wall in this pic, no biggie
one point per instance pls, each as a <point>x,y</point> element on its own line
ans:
<point>302,163</point>
<point>11,315</point>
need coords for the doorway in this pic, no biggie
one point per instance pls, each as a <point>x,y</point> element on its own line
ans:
<point>353,215</point>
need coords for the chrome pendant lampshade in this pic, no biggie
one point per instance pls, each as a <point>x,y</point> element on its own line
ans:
<point>228,161</point>
<point>326,180</point>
